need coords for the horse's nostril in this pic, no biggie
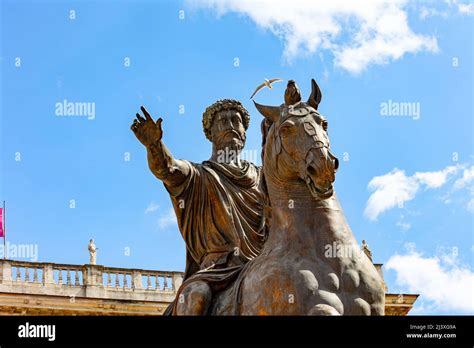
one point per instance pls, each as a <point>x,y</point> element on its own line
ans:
<point>311,170</point>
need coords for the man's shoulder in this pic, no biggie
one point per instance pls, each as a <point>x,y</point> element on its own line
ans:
<point>212,164</point>
<point>191,164</point>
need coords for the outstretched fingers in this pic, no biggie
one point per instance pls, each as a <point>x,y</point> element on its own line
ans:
<point>140,118</point>
<point>140,121</point>
<point>145,112</point>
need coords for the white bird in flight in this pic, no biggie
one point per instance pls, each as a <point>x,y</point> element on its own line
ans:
<point>266,83</point>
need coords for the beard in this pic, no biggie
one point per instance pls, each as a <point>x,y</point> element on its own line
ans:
<point>228,150</point>
<point>236,144</point>
<point>231,146</point>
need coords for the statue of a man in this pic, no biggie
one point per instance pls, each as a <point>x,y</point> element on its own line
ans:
<point>92,252</point>
<point>218,203</point>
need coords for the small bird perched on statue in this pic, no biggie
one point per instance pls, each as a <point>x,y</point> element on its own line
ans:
<point>292,93</point>
<point>266,83</point>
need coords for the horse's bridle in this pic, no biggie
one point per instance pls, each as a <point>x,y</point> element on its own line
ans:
<point>317,144</point>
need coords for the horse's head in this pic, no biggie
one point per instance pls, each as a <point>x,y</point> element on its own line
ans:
<point>296,144</point>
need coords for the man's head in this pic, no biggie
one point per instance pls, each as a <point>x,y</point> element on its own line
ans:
<point>225,123</point>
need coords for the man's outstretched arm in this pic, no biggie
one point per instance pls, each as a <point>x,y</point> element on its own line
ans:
<point>171,171</point>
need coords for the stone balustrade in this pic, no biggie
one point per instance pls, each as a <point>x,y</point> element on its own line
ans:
<point>43,278</point>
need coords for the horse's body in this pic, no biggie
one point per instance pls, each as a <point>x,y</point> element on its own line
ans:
<point>311,262</point>
<point>296,270</point>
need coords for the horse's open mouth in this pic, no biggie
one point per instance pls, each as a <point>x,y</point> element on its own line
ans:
<point>317,192</point>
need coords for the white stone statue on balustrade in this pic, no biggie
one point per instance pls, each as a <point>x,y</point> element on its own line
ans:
<point>92,252</point>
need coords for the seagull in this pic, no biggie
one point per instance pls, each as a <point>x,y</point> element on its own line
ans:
<point>266,83</point>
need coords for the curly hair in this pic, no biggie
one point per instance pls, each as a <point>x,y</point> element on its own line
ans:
<point>220,105</point>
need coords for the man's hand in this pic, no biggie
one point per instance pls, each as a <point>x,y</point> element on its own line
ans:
<point>146,130</point>
<point>162,164</point>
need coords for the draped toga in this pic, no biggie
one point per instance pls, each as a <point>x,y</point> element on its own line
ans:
<point>219,213</point>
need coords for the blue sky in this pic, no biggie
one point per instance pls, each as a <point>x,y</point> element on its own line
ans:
<point>420,53</point>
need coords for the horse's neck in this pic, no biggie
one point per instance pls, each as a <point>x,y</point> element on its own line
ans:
<point>299,220</point>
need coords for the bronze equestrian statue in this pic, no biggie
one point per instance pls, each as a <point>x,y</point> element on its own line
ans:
<point>297,272</point>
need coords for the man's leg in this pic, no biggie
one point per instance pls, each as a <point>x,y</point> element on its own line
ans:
<point>194,299</point>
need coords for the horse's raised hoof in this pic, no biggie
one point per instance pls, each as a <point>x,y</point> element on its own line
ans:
<point>323,309</point>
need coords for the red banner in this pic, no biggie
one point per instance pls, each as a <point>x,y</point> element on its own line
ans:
<point>2,234</point>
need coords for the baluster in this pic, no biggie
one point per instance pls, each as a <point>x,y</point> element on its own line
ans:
<point>77,279</point>
<point>148,282</point>
<point>43,277</point>
<point>157,282</point>
<point>35,275</point>
<point>68,278</point>
<point>27,274</point>
<point>60,277</point>
<point>165,283</point>
<point>125,281</point>
<point>117,280</point>
<point>109,280</point>
<point>18,275</point>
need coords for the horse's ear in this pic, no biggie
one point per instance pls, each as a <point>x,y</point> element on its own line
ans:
<point>270,112</point>
<point>316,95</point>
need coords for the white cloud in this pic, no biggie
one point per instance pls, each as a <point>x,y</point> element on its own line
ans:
<point>357,33</point>
<point>467,178</point>
<point>396,188</point>
<point>151,207</point>
<point>426,12</point>
<point>462,7</point>
<point>443,11</point>
<point>167,219</point>
<point>443,281</point>
<point>466,8</point>
<point>390,190</point>
<point>464,182</point>
<point>403,225</point>
<point>435,179</point>
<point>470,205</point>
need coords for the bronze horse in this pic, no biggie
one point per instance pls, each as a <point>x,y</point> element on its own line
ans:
<point>311,263</point>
